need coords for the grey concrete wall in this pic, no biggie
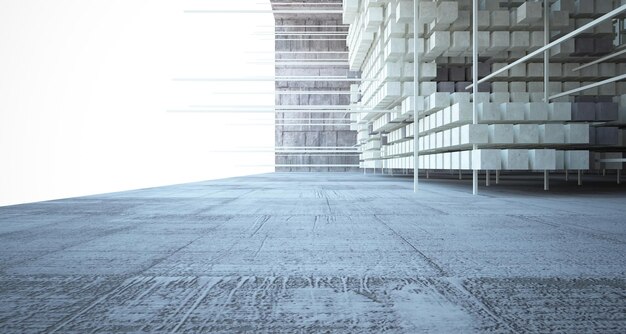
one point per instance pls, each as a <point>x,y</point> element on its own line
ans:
<point>312,136</point>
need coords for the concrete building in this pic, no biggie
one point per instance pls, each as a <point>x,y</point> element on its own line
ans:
<point>402,202</point>
<point>313,46</point>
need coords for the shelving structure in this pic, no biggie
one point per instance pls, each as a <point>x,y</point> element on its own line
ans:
<point>517,118</point>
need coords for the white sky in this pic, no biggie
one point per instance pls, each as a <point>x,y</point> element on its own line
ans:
<point>85,86</point>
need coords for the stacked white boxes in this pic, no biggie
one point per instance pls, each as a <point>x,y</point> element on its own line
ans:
<point>516,128</point>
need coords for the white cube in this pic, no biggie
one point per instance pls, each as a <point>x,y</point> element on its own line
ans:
<point>488,112</point>
<point>439,41</point>
<point>526,133</point>
<point>466,159</point>
<point>455,136</point>
<point>520,41</point>
<point>576,133</point>
<point>501,134</point>
<point>472,134</point>
<point>514,159</point>
<point>427,11</point>
<point>552,134</point>
<point>460,41</point>
<point>447,12</point>
<point>536,111</point>
<point>560,111</point>
<point>461,112</point>
<point>542,159</point>
<point>512,111</point>
<point>500,19</point>
<point>577,160</point>
<point>404,11</point>
<point>529,12</point>
<point>455,160</point>
<point>486,159</point>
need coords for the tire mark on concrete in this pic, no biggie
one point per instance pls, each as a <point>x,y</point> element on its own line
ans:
<point>156,262</point>
<point>440,271</point>
<point>479,303</point>
<point>178,309</point>
<point>221,309</point>
<point>331,219</point>
<point>258,224</point>
<point>330,210</point>
<point>315,222</point>
<point>207,287</point>
<point>260,247</point>
<point>127,284</point>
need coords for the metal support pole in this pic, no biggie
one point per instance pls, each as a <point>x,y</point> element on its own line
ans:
<point>475,182</point>
<point>566,175</point>
<point>592,85</point>
<point>618,176</point>
<point>415,95</point>
<point>580,179</point>
<point>603,171</point>
<point>497,177</point>
<point>460,175</point>
<point>382,163</point>
<point>475,83</point>
<point>428,174</point>
<point>546,72</point>
<point>546,54</point>
<point>487,176</point>
<point>600,60</point>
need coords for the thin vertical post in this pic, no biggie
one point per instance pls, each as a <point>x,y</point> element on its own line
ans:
<point>497,177</point>
<point>580,179</point>
<point>487,177</point>
<point>546,73</point>
<point>415,94</point>
<point>546,54</point>
<point>566,175</point>
<point>619,176</point>
<point>475,85</point>
<point>382,163</point>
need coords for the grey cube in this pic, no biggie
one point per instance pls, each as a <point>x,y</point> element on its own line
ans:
<point>607,136</point>
<point>606,111</point>
<point>446,86</point>
<point>457,74</point>
<point>583,111</point>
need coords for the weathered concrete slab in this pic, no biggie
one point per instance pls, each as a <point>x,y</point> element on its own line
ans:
<point>319,252</point>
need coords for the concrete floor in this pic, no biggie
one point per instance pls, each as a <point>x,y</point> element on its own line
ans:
<point>319,253</point>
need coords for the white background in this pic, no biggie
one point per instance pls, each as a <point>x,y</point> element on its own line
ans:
<point>86,85</point>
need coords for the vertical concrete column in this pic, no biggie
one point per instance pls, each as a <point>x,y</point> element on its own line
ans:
<point>328,57</point>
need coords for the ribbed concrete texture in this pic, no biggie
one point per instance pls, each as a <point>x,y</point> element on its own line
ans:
<point>309,253</point>
<point>324,64</point>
